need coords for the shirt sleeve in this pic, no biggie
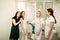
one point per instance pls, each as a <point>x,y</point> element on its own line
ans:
<point>52,19</point>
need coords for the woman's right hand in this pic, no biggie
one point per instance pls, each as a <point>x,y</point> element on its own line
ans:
<point>27,22</point>
<point>24,32</point>
<point>38,33</point>
<point>47,38</point>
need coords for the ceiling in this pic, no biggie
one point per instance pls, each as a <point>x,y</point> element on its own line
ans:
<point>54,1</point>
<point>35,0</point>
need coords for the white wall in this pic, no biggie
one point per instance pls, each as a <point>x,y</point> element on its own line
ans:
<point>36,0</point>
<point>56,8</point>
<point>7,10</point>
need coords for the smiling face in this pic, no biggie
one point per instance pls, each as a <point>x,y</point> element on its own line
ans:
<point>38,14</point>
<point>23,14</point>
<point>18,14</point>
<point>47,13</point>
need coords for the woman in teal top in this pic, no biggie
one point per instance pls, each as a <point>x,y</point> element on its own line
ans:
<point>14,35</point>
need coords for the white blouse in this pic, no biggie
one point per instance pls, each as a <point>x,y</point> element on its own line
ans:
<point>38,22</point>
<point>24,25</point>
<point>48,21</point>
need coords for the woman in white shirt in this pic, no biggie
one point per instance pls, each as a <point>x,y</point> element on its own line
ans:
<point>38,22</point>
<point>23,24</point>
<point>50,21</point>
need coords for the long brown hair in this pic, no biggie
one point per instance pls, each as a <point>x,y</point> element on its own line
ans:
<point>51,13</point>
<point>16,15</point>
<point>21,15</point>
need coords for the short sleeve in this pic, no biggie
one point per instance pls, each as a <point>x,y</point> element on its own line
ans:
<point>13,18</point>
<point>52,19</point>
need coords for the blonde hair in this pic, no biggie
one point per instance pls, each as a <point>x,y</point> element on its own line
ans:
<point>39,12</point>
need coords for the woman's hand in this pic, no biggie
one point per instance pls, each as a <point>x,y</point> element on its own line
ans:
<point>14,22</point>
<point>47,37</point>
<point>24,32</point>
<point>38,33</point>
<point>27,22</point>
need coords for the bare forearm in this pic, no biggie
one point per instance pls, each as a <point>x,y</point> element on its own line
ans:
<point>17,23</point>
<point>14,22</point>
<point>49,33</point>
<point>23,29</point>
<point>50,30</point>
<point>40,28</point>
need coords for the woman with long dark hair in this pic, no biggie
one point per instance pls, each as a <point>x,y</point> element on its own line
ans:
<point>14,35</point>
<point>23,25</point>
<point>50,21</point>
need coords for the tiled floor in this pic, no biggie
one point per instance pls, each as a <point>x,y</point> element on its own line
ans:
<point>55,37</point>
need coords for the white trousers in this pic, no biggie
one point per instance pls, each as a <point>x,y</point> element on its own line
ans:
<point>38,37</point>
<point>46,33</point>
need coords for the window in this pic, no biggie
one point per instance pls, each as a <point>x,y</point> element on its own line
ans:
<point>21,6</point>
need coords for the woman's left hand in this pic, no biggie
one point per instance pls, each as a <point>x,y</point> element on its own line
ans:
<point>27,22</point>
<point>38,33</point>
<point>47,37</point>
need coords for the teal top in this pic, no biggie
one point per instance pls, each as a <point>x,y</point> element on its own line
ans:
<point>14,30</point>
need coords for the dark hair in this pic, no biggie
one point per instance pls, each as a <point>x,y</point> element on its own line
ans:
<point>51,13</point>
<point>16,15</point>
<point>21,15</point>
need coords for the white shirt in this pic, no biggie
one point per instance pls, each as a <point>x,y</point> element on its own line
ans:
<point>24,25</point>
<point>48,21</point>
<point>38,22</point>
